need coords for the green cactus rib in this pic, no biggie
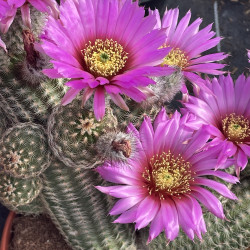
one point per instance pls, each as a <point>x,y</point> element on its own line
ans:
<point>233,234</point>
<point>16,192</point>
<point>29,103</point>
<point>3,122</point>
<point>80,211</point>
<point>73,131</point>
<point>24,151</point>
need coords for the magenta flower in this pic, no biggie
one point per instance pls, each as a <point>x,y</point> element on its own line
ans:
<point>2,44</point>
<point>105,47</point>
<point>228,113</point>
<point>187,44</point>
<point>8,9</point>
<point>162,182</point>
<point>248,54</point>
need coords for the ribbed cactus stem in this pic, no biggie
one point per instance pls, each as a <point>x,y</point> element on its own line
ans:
<point>80,211</point>
<point>24,151</point>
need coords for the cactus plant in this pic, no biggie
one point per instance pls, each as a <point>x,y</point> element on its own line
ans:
<point>16,192</point>
<point>50,144</point>
<point>24,151</point>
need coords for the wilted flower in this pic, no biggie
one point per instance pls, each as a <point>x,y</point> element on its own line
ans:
<point>228,113</point>
<point>104,46</point>
<point>162,182</point>
<point>187,44</point>
<point>9,8</point>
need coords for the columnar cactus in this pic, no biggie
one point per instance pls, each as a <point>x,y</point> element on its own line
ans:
<point>82,100</point>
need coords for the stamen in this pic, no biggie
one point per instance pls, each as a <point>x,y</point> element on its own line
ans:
<point>104,58</point>
<point>236,128</point>
<point>177,58</point>
<point>168,175</point>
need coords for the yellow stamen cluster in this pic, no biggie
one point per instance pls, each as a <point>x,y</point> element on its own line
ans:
<point>176,58</point>
<point>168,175</point>
<point>236,128</point>
<point>105,57</point>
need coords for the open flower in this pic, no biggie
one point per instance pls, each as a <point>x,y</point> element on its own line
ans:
<point>187,44</point>
<point>8,9</point>
<point>228,113</point>
<point>105,47</point>
<point>162,182</point>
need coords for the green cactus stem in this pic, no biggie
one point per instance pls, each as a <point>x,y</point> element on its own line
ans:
<point>15,192</point>
<point>24,151</point>
<point>73,131</point>
<point>81,212</point>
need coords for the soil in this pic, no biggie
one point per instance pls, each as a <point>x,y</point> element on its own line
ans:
<point>38,232</point>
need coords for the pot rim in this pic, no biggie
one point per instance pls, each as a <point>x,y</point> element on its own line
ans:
<point>7,231</point>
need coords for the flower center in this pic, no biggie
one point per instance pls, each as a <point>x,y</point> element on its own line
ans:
<point>236,128</point>
<point>168,175</point>
<point>177,58</point>
<point>104,58</point>
<point>87,126</point>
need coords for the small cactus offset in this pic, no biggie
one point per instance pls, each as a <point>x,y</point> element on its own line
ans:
<point>73,131</point>
<point>24,151</point>
<point>15,192</point>
<point>87,134</point>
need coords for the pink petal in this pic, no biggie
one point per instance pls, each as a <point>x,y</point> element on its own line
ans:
<point>146,212</point>
<point>241,159</point>
<point>147,137</point>
<point>25,10</point>
<point>125,204</point>
<point>161,117</point>
<point>86,95</point>
<point>156,226</point>
<point>99,103</point>
<point>52,73</point>
<point>120,175</point>
<point>69,96</point>
<point>77,84</point>
<point>170,219</point>
<point>118,100</point>
<point>218,187</point>
<point>128,216</point>
<point>222,175</point>
<point>209,200</point>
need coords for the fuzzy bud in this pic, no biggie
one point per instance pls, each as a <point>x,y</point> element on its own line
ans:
<point>115,146</point>
<point>166,88</point>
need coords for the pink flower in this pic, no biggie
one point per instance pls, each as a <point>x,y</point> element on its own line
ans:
<point>162,182</point>
<point>248,54</point>
<point>188,42</point>
<point>2,44</point>
<point>227,110</point>
<point>8,9</point>
<point>104,47</point>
